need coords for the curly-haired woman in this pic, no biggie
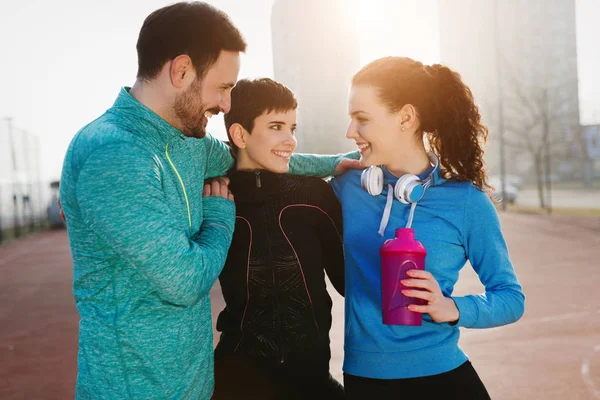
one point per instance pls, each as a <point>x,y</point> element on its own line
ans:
<point>398,107</point>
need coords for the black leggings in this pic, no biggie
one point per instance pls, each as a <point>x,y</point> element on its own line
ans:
<point>241,377</point>
<point>461,383</point>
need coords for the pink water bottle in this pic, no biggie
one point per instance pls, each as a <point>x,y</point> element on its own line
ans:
<point>399,255</point>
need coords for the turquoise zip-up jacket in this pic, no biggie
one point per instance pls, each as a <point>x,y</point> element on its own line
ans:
<point>147,248</point>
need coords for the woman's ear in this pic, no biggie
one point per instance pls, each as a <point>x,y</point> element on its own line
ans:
<point>409,119</point>
<point>238,135</point>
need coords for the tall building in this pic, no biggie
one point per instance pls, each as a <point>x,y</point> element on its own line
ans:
<point>521,53</point>
<point>315,53</point>
<point>22,198</point>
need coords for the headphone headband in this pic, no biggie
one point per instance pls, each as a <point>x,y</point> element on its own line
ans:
<point>435,161</point>
<point>408,189</point>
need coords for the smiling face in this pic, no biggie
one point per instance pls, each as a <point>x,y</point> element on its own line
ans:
<point>374,128</point>
<point>207,96</point>
<point>270,144</point>
<point>261,124</point>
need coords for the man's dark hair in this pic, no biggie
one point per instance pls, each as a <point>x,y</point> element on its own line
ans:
<point>194,28</point>
<point>251,98</point>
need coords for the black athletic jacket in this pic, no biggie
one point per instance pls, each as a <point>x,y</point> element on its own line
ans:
<point>288,232</point>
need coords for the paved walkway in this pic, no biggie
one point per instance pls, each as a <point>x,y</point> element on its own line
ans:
<point>553,353</point>
<point>562,198</point>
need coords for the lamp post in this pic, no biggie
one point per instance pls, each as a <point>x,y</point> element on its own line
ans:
<point>500,106</point>
<point>11,143</point>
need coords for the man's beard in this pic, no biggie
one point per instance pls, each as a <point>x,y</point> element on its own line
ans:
<point>190,110</point>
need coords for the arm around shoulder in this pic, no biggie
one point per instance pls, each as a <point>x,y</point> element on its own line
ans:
<point>317,164</point>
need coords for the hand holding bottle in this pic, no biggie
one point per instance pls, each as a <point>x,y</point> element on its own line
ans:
<point>439,307</point>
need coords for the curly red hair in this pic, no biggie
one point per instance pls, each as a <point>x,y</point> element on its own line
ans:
<point>448,115</point>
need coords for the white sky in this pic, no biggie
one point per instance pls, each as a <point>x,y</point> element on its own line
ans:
<point>63,61</point>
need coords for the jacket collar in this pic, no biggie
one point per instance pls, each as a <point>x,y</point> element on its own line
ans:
<point>142,120</point>
<point>257,184</point>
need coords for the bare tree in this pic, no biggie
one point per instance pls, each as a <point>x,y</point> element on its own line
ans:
<point>540,123</point>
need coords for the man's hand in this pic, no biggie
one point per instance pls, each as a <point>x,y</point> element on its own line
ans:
<point>62,213</point>
<point>347,164</point>
<point>218,187</point>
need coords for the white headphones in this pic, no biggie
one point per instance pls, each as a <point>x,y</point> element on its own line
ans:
<point>408,189</point>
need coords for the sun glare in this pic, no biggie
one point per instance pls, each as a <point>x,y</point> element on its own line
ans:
<point>397,28</point>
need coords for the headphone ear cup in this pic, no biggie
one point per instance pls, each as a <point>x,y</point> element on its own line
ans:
<point>371,180</point>
<point>404,188</point>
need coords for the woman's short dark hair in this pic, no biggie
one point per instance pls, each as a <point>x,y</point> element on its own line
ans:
<point>194,28</point>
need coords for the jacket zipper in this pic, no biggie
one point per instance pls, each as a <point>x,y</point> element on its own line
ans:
<point>275,294</point>
<point>282,359</point>
<point>278,318</point>
<point>187,203</point>
<point>258,182</point>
